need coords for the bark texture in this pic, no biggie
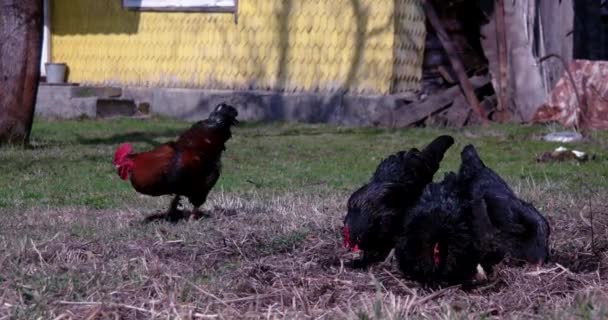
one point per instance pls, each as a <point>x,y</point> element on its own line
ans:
<point>20,50</point>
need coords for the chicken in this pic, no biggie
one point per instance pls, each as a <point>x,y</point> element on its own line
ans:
<point>444,236</point>
<point>522,230</point>
<point>376,209</point>
<point>189,166</point>
<point>471,218</point>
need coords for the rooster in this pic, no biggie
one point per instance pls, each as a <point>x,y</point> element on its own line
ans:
<point>189,166</point>
<point>376,209</point>
<point>523,231</point>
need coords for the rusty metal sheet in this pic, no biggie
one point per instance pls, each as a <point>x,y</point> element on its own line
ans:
<point>591,80</point>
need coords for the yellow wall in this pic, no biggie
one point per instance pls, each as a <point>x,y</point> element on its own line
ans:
<point>292,45</point>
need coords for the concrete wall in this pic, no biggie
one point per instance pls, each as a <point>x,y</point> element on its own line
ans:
<point>69,102</point>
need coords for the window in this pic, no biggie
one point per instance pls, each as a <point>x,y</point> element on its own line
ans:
<point>181,5</point>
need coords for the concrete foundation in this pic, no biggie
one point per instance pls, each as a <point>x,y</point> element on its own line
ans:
<point>68,102</point>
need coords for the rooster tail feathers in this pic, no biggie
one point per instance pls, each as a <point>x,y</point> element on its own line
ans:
<point>121,153</point>
<point>437,148</point>
<point>470,158</point>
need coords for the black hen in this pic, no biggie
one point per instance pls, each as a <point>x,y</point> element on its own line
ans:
<point>522,230</point>
<point>376,209</point>
<point>444,235</point>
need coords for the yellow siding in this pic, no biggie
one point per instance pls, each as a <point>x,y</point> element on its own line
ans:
<point>292,45</point>
<point>410,35</point>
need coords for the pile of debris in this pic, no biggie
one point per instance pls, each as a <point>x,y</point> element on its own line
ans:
<point>488,61</point>
<point>447,107</point>
<point>456,86</point>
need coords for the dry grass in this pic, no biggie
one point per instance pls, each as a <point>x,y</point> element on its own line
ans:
<point>274,257</point>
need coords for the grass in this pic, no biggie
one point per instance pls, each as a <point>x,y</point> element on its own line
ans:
<point>70,162</point>
<point>72,244</point>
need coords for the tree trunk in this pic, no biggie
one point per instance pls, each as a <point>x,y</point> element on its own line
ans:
<point>526,85</point>
<point>20,50</point>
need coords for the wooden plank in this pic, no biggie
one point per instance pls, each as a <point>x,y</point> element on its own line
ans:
<point>412,113</point>
<point>458,113</point>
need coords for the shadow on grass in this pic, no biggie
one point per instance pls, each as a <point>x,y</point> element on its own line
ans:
<point>147,137</point>
<point>312,132</point>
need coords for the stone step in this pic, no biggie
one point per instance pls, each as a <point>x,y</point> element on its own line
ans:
<point>95,92</point>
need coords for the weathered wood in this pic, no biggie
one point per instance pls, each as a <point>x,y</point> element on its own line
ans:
<point>415,112</point>
<point>556,23</point>
<point>502,112</point>
<point>458,113</point>
<point>445,74</point>
<point>525,86</point>
<point>455,60</point>
<point>454,116</point>
<point>20,50</point>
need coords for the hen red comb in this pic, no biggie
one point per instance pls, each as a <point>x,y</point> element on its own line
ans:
<point>121,152</point>
<point>346,240</point>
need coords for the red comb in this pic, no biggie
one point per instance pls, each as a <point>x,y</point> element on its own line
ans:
<point>346,240</point>
<point>121,152</point>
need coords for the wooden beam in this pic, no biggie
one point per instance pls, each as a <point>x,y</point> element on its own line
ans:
<point>455,60</point>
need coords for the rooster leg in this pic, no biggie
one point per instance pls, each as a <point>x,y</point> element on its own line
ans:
<point>172,215</point>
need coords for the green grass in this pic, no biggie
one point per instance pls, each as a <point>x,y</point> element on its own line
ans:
<point>70,162</point>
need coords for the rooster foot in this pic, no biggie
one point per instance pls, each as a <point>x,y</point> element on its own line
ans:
<point>196,214</point>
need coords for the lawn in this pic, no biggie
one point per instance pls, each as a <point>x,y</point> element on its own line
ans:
<point>73,245</point>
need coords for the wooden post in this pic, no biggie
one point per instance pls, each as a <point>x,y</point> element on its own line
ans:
<point>20,50</point>
<point>463,79</point>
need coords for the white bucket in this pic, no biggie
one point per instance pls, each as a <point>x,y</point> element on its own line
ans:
<point>55,72</point>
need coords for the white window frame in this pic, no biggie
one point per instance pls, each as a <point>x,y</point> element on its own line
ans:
<point>46,38</point>
<point>182,5</point>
